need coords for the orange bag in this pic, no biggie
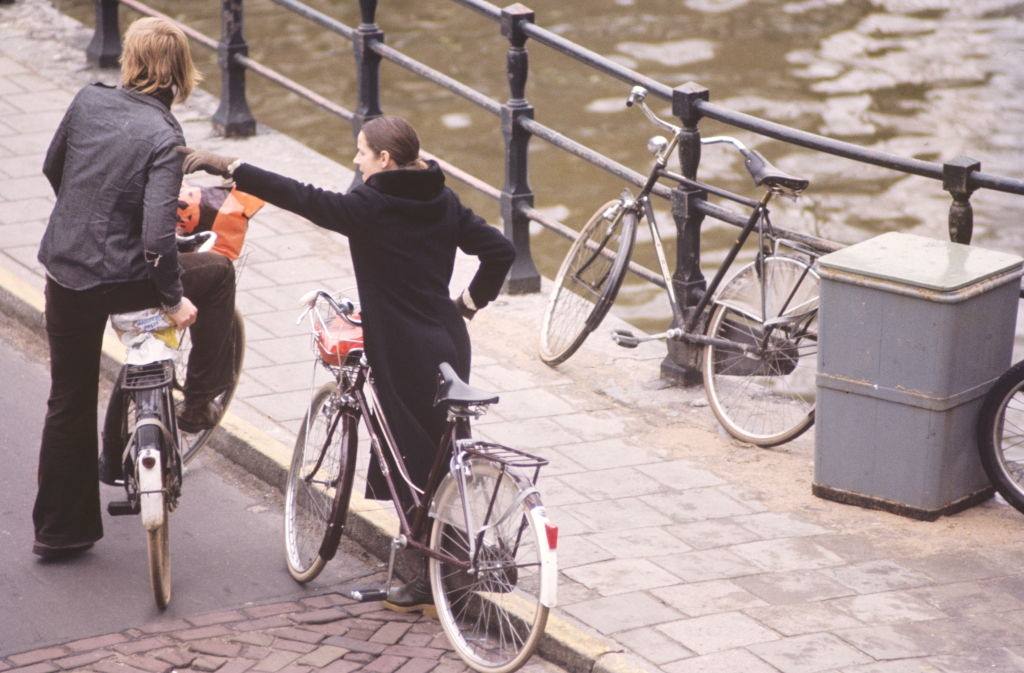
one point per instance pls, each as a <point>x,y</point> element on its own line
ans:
<point>221,208</point>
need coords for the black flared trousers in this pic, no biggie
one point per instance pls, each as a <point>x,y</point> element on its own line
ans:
<point>67,507</point>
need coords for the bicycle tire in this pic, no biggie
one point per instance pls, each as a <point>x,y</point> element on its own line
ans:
<point>765,399</point>
<point>578,303</point>
<point>999,433</point>
<point>315,517</point>
<point>192,443</point>
<point>511,587</point>
<point>158,550</point>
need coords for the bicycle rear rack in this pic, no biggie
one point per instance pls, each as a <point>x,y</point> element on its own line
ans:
<point>505,456</point>
<point>147,376</point>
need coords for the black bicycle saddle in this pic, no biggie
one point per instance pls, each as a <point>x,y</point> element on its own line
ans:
<point>453,390</point>
<point>764,173</point>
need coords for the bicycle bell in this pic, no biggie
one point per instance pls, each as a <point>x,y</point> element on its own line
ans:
<point>657,144</point>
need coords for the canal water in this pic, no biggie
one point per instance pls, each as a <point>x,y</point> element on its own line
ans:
<point>931,79</point>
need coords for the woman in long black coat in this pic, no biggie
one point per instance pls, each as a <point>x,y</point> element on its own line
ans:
<point>404,226</point>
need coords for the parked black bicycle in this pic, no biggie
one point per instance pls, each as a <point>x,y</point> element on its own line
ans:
<point>760,343</point>
<point>1000,434</point>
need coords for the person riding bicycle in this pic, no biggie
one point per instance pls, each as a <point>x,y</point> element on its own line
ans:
<point>404,227</point>
<point>109,247</point>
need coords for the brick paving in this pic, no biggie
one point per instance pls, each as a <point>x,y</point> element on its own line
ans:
<point>690,552</point>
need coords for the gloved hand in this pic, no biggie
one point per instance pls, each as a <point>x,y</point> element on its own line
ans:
<point>465,311</point>
<point>201,160</point>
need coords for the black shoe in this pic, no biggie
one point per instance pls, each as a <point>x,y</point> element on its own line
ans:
<point>413,596</point>
<point>111,471</point>
<point>50,552</point>
<point>199,416</point>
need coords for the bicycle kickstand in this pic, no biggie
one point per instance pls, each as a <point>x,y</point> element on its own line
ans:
<point>626,338</point>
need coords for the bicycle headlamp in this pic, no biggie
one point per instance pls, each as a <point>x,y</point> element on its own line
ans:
<point>656,144</point>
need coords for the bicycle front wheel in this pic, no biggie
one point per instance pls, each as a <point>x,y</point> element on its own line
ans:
<point>1001,435</point>
<point>761,384</point>
<point>587,282</point>
<point>493,616</point>
<point>319,483</point>
<point>192,442</point>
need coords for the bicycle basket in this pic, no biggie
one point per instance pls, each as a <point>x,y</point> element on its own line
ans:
<point>221,208</point>
<point>336,339</point>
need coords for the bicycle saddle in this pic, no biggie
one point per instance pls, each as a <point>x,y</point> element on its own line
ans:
<point>453,390</point>
<point>764,173</point>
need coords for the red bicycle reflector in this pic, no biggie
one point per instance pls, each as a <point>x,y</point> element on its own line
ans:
<point>149,462</point>
<point>552,532</point>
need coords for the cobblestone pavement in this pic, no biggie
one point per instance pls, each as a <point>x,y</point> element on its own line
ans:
<point>328,633</point>
<point>685,550</point>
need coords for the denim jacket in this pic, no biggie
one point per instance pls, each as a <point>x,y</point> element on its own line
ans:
<point>116,174</point>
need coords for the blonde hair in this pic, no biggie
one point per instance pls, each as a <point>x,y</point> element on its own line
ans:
<point>155,57</point>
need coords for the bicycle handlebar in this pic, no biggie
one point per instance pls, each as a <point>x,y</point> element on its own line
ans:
<point>344,308</point>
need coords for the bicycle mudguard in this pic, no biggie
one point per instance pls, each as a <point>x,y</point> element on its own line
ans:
<point>627,238</point>
<point>548,557</point>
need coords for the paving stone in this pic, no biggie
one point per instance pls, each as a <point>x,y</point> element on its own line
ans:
<point>275,661</point>
<point>589,426</point>
<point>25,210</point>
<point>619,576</point>
<point>390,633</point>
<point>653,645</point>
<point>793,587</point>
<point>302,635</point>
<point>95,643</point>
<point>703,598</point>
<point>177,657</point>
<point>623,514</point>
<point>40,667</point>
<point>202,632</point>
<point>578,550</point>
<point>949,567</point>
<point>385,663</point>
<point>802,618</point>
<point>786,554</point>
<point>416,639</point>
<point>606,454</point>
<point>83,660</point>
<point>341,666</point>
<point>360,657</point>
<point>145,662</point>
<point>282,378</point>
<point>622,613</point>
<point>780,524</point>
<point>213,618</point>
<point>898,666</point>
<point>681,475</point>
<point>709,564</point>
<point>27,143</point>
<point>255,652</point>
<point>322,656</point>
<point>35,656</point>
<point>295,668</point>
<point>711,533</point>
<point>417,665</point>
<point>410,652</point>
<point>111,666</point>
<point>282,407</point>
<point>22,167</point>
<point>731,661</point>
<point>236,666</point>
<point>338,628</point>
<point>967,598</point>
<point>620,482</point>
<point>311,269</point>
<point>355,645</point>
<point>888,607</point>
<point>208,664</point>
<point>217,648</point>
<point>252,638</point>
<point>875,576</point>
<point>714,633</point>
<point>165,626</point>
<point>696,504</point>
<point>809,654</point>
<point>891,641</point>
<point>537,434</point>
<point>294,646</point>
<point>989,660</point>
<point>322,616</point>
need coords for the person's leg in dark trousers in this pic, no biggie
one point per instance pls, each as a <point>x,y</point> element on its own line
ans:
<point>208,280</point>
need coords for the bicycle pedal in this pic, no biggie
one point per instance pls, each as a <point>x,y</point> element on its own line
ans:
<point>625,338</point>
<point>367,595</point>
<point>121,508</point>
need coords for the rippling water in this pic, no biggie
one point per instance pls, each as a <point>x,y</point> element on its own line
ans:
<point>932,79</point>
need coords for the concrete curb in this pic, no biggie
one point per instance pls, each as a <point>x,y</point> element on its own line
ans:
<point>370,523</point>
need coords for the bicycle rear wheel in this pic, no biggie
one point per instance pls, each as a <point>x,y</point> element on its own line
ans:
<point>158,549</point>
<point>1001,435</point>
<point>192,442</point>
<point>587,281</point>
<point>764,396</point>
<point>319,483</point>
<point>494,618</point>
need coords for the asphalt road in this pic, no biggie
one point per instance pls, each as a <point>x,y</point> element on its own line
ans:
<point>226,548</point>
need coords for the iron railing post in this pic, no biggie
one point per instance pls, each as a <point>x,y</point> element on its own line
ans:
<point>956,178</point>
<point>516,194</point>
<point>367,66</point>
<point>682,363</point>
<point>232,117</point>
<point>105,47</point>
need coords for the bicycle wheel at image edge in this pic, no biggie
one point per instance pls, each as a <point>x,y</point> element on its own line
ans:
<point>587,282</point>
<point>1001,435</point>
<point>158,549</point>
<point>319,483</point>
<point>764,398</point>
<point>193,442</point>
<point>496,618</point>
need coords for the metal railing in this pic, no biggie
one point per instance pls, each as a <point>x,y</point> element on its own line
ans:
<point>690,102</point>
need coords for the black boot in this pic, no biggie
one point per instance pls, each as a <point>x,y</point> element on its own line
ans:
<point>413,596</point>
